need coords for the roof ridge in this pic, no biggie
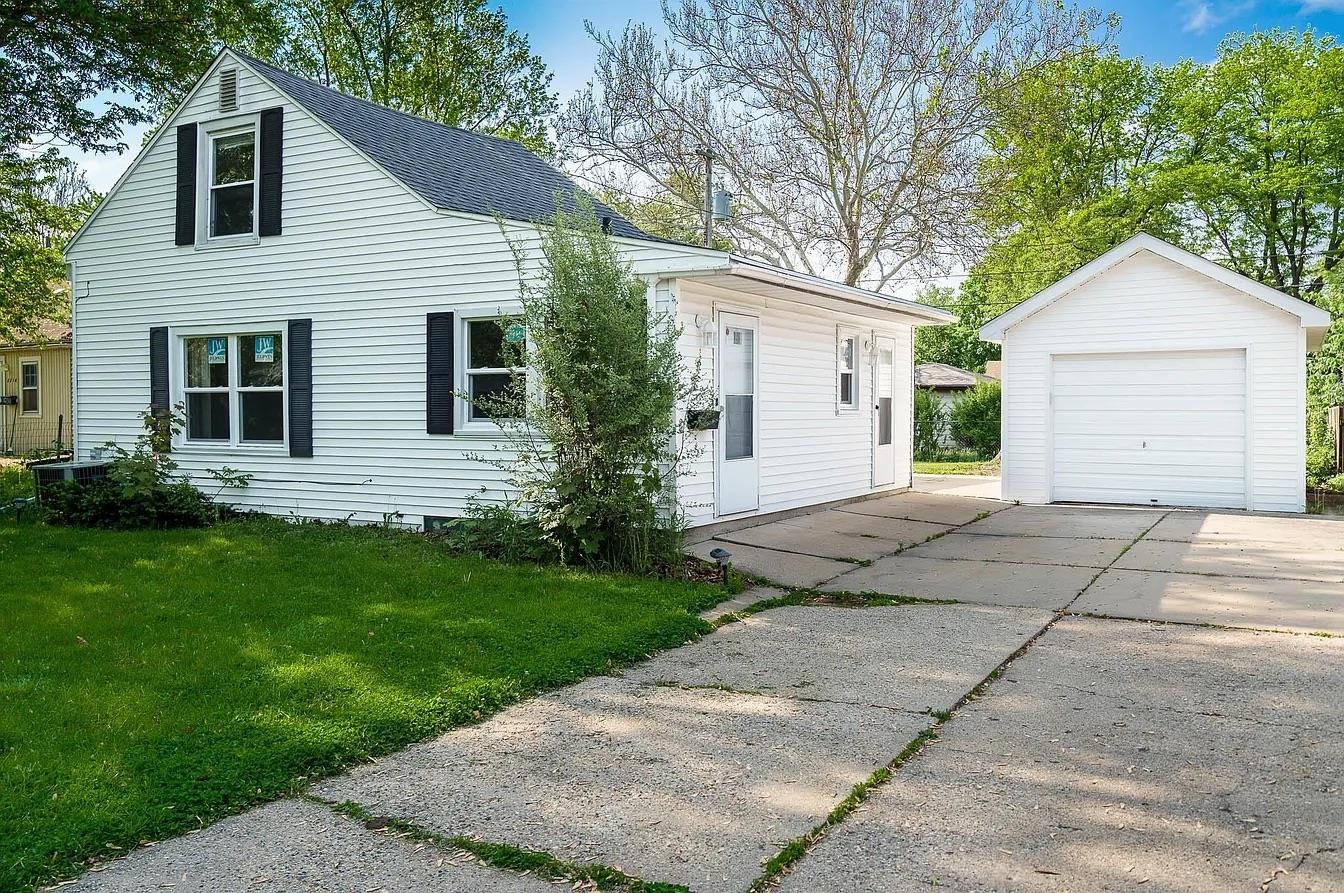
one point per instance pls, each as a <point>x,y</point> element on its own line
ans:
<point>253,60</point>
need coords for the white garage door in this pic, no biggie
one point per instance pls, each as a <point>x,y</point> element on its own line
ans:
<point>1152,428</point>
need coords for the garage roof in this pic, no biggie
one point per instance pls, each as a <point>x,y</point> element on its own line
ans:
<point>1314,319</point>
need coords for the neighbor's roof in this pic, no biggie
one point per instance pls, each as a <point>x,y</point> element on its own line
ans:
<point>48,332</point>
<point>451,168</point>
<point>941,375</point>
<point>1314,319</point>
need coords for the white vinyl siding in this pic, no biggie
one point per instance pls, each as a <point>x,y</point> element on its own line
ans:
<point>809,452</point>
<point>362,257</point>
<point>1164,428</point>
<point>1148,303</point>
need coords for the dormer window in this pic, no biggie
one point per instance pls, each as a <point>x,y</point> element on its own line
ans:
<point>233,183</point>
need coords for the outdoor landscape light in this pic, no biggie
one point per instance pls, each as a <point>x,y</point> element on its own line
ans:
<point>721,556</point>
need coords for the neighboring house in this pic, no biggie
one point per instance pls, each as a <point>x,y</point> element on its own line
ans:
<point>1152,375</point>
<point>35,392</point>
<point>947,383</point>
<point>317,277</point>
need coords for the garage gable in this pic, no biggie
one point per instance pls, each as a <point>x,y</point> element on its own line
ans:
<point>1311,318</point>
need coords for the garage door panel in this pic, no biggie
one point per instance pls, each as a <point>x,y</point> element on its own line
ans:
<point>1139,427</point>
<point>1146,380</point>
<point>1141,406</point>
<point>1166,428</point>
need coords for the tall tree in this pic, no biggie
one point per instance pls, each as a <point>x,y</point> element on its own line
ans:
<point>43,199</point>
<point>454,61</point>
<point>1263,158</point>
<point>133,56</point>
<point>76,74</point>
<point>847,128</point>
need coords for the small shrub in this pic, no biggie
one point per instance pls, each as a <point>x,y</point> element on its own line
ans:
<point>142,489</point>
<point>1334,484</point>
<point>977,417</point>
<point>931,423</point>
<point>498,531</point>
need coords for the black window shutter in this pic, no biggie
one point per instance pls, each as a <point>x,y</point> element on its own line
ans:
<point>186,185</point>
<point>440,396</point>
<point>300,371</point>
<point>272,171</point>
<point>158,371</point>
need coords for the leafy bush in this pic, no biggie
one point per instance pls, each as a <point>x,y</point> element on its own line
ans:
<point>931,423</point>
<point>976,418</point>
<point>142,487</point>
<point>592,459</point>
<point>497,531</point>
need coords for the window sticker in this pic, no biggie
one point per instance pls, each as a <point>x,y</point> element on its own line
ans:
<point>263,348</point>
<point>217,351</point>
<point>515,334</point>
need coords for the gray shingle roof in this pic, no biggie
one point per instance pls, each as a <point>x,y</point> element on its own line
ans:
<point>451,168</point>
<point>943,375</point>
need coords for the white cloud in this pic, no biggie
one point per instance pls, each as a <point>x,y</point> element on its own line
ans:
<point>1309,6</point>
<point>1199,17</point>
<point>1202,16</point>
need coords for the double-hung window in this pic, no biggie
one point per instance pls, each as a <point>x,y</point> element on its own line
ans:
<point>30,388</point>
<point>235,388</point>
<point>846,370</point>
<point>231,209</point>
<point>494,386</point>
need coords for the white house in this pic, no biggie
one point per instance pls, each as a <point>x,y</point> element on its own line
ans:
<point>1155,376</point>
<point>315,277</point>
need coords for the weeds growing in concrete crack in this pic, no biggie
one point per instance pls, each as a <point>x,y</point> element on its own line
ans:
<point>504,856</point>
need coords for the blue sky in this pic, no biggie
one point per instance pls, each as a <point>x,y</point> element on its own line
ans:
<point>1158,30</point>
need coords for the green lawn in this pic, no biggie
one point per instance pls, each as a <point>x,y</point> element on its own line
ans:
<point>151,682</point>
<point>990,468</point>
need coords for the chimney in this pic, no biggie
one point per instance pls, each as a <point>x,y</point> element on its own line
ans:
<point>994,368</point>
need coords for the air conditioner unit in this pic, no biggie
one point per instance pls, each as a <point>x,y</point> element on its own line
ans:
<point>82,472</point>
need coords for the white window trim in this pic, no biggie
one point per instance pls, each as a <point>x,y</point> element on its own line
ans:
<point>35,362</point>
<point>177,376</point>
<point>841,334</point>
<point>463,423</point>
<point>207,133</point>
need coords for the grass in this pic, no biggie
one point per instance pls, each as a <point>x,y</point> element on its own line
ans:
<point>152,682</point>
<point>16,481</point>
<point>979,467</point>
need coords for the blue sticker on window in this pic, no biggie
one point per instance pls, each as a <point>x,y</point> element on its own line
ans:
<point>263,348</point>
<point>216,350</point>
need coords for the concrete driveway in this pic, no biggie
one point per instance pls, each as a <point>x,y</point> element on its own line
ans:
<point>1111,699</point>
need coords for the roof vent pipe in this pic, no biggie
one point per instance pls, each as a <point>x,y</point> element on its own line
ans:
<point>606,226</point>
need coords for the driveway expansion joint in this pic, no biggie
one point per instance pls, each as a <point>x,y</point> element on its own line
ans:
<point>503,857</point>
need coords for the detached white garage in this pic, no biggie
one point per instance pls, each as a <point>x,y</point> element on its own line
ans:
<point>1157,377</point>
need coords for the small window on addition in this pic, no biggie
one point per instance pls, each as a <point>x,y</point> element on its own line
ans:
<point>847,384</point>
<point>494,385</point>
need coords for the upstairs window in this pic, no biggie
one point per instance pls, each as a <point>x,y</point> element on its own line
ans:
<point>846,364</point>
<point>30,401</point>
<point>493,385</point>
<point>235,389</point>
<point>233,182</point>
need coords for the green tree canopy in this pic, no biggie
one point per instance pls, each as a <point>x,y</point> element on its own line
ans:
<point>453,61</point>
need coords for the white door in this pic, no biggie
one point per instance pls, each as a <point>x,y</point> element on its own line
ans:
<point>1164,428</point>
<point>737,444</point>
<point>884,399</point>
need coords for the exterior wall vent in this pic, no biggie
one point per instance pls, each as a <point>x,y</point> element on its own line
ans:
<point>228,90</point>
